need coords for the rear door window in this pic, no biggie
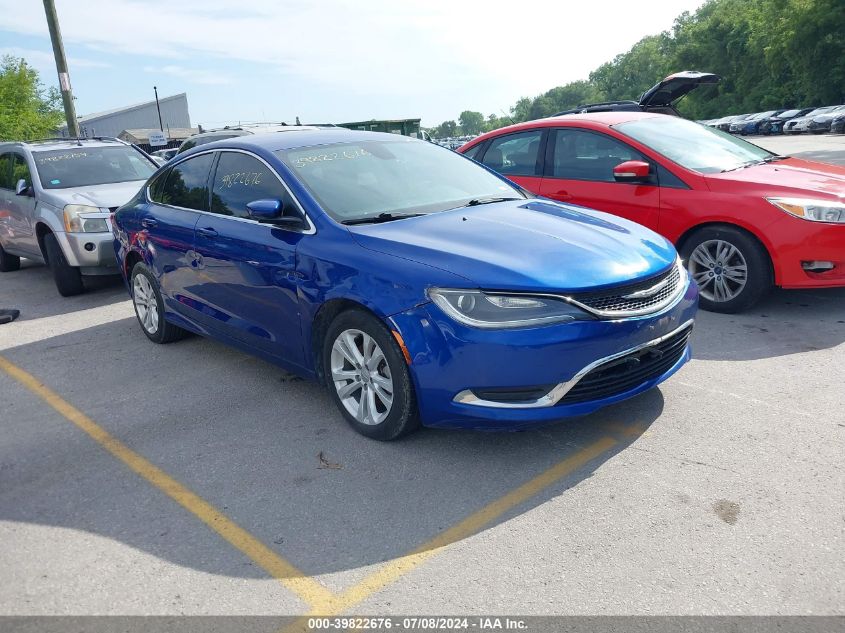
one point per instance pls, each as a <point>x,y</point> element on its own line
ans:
<point>186,184</point>
<point>514,154</point>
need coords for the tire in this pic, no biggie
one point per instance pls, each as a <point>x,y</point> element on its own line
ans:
<point>149,307</point>
<point>715,258</point>
<point>390,420</point>
<point>8,263</point>
<point>68,278</point>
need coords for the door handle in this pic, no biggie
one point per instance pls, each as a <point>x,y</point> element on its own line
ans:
<point>207,232</point>
<point>563,194</point>
<point>149,223</point>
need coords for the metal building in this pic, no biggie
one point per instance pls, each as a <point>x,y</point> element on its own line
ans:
<point>174,114</point>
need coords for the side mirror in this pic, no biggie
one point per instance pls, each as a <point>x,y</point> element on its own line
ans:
<point>22,189</point>
<point>269,211</point>
<point>632,171</point>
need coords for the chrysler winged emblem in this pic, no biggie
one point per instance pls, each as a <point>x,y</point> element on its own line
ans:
<point>648,292</point>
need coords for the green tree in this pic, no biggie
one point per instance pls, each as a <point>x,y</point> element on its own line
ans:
<point>770,54</point>
<point>447,128</point>
<point>471,122</point>
<point>27,109</point>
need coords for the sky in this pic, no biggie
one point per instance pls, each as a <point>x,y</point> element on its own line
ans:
<point>328,60</point>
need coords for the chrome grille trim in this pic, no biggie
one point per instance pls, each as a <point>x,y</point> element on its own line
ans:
<point>632,300</point>
<point>560,390</point>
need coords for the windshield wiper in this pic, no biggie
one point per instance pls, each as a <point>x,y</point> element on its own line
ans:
<point>744,165</point>
<point>477,201</point>
<point>762,161</point>
<point>381,217</point>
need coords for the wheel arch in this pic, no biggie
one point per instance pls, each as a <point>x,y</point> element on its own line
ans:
<point>132,258</point>
<point>681,241</point>
<point>41,230</point>
<point>327,313</point>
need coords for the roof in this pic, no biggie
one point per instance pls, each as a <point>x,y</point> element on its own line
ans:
<point>292,139</point>
<point>141,135</point>
<point>59,143</point>
<point>381,121</point>
<point>87,118</point>
<point>602,118</point>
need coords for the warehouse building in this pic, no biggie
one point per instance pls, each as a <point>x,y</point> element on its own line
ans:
<point>174,114</point>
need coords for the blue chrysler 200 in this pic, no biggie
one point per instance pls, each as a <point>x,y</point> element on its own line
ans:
<point>419,286</point>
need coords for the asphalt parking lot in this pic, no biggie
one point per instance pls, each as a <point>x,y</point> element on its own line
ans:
<point>192,479</point>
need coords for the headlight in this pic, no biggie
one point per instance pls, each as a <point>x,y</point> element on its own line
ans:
<point>815,210</point>
<point>500,310</point>
<point>75,223</point>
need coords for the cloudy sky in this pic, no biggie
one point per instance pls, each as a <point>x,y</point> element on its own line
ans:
<point>329,60</point>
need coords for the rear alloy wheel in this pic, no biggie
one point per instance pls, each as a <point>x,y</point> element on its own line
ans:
<point>8,263</point>
<point>149,307</point>
<point>731,269</point>
<point>368,377</point>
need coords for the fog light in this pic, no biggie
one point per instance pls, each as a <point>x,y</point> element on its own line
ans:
<point>815,266</point>
<point>89,246</point>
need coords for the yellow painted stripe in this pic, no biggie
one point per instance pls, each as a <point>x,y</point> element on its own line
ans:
<point>395,569</point>
<point>308,589</point>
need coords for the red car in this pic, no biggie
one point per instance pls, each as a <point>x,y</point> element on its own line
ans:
<point>742,218</point>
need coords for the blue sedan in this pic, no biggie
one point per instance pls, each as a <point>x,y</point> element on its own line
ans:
<point>417,285</point>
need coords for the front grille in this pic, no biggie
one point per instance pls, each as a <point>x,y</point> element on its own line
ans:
<point>617,300</point>
<point>627,372</point>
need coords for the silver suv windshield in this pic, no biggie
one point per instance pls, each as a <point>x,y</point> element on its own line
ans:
<point>86,166</point>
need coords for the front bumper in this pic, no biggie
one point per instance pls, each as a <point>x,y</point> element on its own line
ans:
<point>819,126</point>
<point>449,359</point>
<point>805,241</point>
<point>92,253</point>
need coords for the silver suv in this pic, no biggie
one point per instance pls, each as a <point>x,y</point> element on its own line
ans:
<point>56,197</point>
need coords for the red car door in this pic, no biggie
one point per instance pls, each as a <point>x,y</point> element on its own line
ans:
<point>517,157</point>
<point>579,169</point>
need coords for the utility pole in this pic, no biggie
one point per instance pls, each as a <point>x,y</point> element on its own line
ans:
<point>61,68</point>
<point>160,126</point>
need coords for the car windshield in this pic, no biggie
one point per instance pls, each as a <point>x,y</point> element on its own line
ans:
<point>788,113</point>
<point>86,166</point>
<point>692,145</point>
<point>364,179</point>
<point>819,111</point>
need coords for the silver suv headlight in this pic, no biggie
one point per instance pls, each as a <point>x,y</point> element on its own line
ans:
<point>501,310</point>
<point>76,222</point>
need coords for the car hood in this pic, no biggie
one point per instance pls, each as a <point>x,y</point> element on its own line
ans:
<point>104,196</point>
<point>534,245</point>
<point>675,86</point>
<point>793,176</point>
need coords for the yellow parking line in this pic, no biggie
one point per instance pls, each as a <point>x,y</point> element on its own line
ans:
<point>395,569</point>
<point>308,589</point>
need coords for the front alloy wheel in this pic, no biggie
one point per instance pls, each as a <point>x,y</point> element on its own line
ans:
<point>362,377</point>
<point>732,269</point>
<point>368,376</point>
<point>719,269</point>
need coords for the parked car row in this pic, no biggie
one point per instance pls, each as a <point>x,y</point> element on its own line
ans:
<point>795,121</point>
